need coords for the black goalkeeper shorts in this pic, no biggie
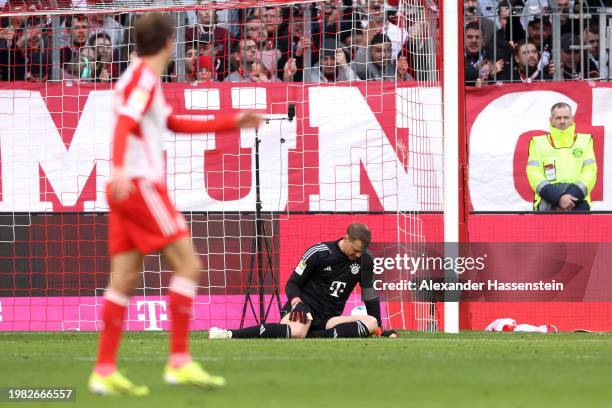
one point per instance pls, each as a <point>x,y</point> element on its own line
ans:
<point>319,320</point>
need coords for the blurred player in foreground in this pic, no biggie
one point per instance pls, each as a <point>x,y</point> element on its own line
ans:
<point>142,218</point>
<point>317,292</point>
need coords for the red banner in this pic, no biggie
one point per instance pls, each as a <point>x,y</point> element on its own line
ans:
<point>346,149</point>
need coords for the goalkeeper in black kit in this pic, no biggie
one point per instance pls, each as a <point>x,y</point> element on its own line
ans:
<point>317,291</point>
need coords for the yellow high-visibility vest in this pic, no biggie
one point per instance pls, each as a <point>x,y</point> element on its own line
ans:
<point>548,164</point>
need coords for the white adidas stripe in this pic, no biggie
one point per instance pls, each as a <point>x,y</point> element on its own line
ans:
<point>163,210</point>
<point>362,329</point>
<point>314,249</point>
<point>156,206</point>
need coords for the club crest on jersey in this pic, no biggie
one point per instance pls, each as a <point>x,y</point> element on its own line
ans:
<point>354,269</point>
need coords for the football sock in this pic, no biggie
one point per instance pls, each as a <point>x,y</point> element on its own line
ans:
<point>263,331</point>
<point>181,292</point>
<point>113,312</point>
<point>343,330</point>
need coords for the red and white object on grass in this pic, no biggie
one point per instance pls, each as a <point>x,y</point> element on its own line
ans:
<point>510,325</point>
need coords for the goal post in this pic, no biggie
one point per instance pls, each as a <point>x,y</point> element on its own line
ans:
<point>453,99</point>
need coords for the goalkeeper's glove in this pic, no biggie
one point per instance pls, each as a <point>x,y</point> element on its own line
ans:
<point>300,312</point>
<point>385,333</point>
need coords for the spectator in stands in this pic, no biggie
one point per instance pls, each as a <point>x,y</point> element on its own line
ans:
<point>170,74</point>
<point>106,68</point>
<point>353,40</point>
<point>17,35</point>
<point>206,47</point>
<point>535,8</point>
<point>539,31</point>
<point>78,27</point>
<point>296,47</point>
<point>570,57</point>
<point>332,66</point>
<point>376,62</point>
<point>419,44</point>
<point>8,32</point>
<point>23,46</point>
<point>473,14</point>
<point>127,52</point>
<point>269,55</point>
<point>206,71</point>
<point>255,30</point>
<point>565,9</point>
<point>332,20</point>
<point>505,34</point>
<point>78,68</point>
<point>561,167</point>
<point>404,70</point>
<point>88,64</point>
<point>191,60</point>
<point>105,23</point>
<point>526,65</point>
<point>102,45</point>
<point>259,73</point>
<point>375,22</point>
<point>39,66</point>
<point>229,18</point>
<point>207,27</point>
<point>508,24</point>
<point>244,55</point>
<point>591,38</point>
<point>531,9</point>
<point>290,70</point>
<point>486,71</point>
<point>272,20</point>
<point>474,53</point>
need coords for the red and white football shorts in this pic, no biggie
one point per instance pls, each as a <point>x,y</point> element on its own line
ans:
<point>146,220</point>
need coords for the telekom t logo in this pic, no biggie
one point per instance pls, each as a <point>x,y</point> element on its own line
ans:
<point>337,287</point>
<point>150,313</point>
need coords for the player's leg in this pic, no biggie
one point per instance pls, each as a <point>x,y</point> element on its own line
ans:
<point>283,330</point>
<point>125,271</point>
<point>181,292</point>
<point>298,330</point>
<point>347,327</point>
<point>183,287</point>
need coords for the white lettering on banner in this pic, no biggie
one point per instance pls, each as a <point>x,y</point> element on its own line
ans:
<point>350,135</point>
<point>602,116</point>
<point>29,139</point>
<point>149,313</point>
<point>186,177</point>
<point>204,99</point>
<point>493,140</point>
<point>349,138</point>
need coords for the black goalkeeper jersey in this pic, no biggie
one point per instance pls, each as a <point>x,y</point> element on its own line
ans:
<point>325,277</point>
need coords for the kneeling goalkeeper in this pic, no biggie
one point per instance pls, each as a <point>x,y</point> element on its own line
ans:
<point>318,289</point>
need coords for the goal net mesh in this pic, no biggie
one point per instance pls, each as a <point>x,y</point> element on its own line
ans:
<point>352,98</point>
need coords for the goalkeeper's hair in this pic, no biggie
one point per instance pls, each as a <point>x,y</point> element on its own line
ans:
<point>361,232</point>
<point>152,32</point>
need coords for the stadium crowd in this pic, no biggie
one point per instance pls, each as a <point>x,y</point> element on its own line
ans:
<point>515,41</point>
<point>330,41</point>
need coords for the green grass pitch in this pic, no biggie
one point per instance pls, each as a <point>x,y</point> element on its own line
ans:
<point>471,369</point>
